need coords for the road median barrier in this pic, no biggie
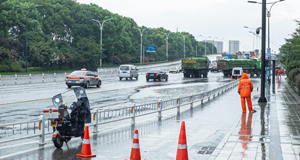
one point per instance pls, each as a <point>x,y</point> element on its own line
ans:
<point>23,130</point>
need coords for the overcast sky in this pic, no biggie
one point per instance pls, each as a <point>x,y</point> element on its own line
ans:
<point>223,19</point>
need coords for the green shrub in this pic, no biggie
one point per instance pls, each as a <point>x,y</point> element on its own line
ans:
<point>15,67</point>
<point>292,73</point>
<point>35,69</point>
<point>4,68</point>
<point>297,81</point>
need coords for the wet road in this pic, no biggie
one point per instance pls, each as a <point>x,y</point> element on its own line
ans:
<point>26,102</point>
<point>206,125</point>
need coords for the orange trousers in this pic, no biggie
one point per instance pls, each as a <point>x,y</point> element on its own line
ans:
<point>249,103</point>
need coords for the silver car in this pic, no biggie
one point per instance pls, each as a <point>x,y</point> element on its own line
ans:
<point>128,71</point>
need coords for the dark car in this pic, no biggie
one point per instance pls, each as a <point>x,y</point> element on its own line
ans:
<point>83,78</point>
<point>156,74</point>
<point>213,68</point>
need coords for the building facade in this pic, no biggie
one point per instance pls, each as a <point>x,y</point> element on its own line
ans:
<point>234,46</point>
<point>217,44</point>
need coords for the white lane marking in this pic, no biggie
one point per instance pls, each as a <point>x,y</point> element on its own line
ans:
<point>22,152</point>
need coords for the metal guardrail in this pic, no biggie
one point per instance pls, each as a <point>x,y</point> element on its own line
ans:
<point>47,78</point>
<point>41,127</point>
<point>55,77</point>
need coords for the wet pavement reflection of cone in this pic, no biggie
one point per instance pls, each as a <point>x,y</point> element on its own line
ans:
<point>135,150</point>
<point>86,146</point>
<point>182,153</point>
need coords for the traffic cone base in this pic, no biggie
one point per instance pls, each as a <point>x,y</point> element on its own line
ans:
<point>135,150</point>
<point>86,146</point>
<point>85,156</point>
<point>182,152</point>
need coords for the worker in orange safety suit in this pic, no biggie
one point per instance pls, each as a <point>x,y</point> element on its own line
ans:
<point>245,88</point>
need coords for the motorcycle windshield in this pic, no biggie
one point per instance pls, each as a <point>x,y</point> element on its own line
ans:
<point>57,100</point>
<point>79,92</point>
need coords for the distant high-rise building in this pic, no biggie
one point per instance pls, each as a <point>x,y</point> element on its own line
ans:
<point>234,46</point>
<point>217,44</point>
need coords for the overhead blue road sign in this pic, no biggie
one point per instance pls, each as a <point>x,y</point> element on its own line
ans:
<point>150,49</point>
<point>269,53</point>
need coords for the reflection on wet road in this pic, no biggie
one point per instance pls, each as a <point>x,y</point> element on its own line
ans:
<point>245,131</point>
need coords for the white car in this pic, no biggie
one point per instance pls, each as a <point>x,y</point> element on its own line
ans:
<point>174,70</point>
<point>128,72</point>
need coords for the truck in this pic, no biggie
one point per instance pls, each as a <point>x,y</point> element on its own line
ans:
<point>249,66</point>
<point>195,66</point>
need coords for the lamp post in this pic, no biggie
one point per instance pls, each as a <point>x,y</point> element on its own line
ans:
<point>141,31</point>
<point>263,44</point>
<point>223,44</point>
<point>252,31</point>
<point>167,37</point>
<point>183,47</point>
<point>268,15</point>
<point>253,39</point>
<point>214,44</point>
<point>101,23</point>
<point>205,44</point>
<point>26,50</point>
<point>197,43</point>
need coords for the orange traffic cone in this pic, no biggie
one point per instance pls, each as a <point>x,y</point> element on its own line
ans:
<point>231,78</point>
<point>86,146</point>
<point>237,77</point>
<point>182,153</point>
<point>135,150</point>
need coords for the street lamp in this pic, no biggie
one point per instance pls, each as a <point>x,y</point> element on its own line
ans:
<point>205,44</point>
<point>197,43</point>
<point>223,48</point>
<point>26,51</point>
<point>263,46</point>
<point>268,15</point>
<point>183,46</point>
<point>253,40</point>
<point>141,31</point>
<point>213,44</point>
<point>101,28</point>
<point>252,31</point>
<point>167,37</point>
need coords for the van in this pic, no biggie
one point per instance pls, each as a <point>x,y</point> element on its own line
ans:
<point>128,71</point>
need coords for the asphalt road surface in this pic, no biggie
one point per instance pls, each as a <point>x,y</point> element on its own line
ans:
<point>26,102</point>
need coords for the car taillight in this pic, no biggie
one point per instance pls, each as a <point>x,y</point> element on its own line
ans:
<point>130,72</point>
<point>157,74</point>
<point>147,74</point>
<point>118,71</point>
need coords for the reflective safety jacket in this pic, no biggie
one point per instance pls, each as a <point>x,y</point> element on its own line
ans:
<point>245,86</point>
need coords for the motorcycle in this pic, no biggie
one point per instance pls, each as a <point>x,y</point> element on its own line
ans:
<point>68,125</point>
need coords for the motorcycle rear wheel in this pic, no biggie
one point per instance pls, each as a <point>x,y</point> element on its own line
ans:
<point>58,142</point>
